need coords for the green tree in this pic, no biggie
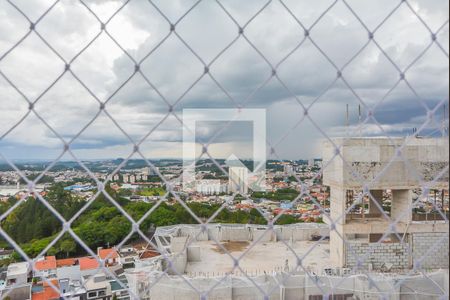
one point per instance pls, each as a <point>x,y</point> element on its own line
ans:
<point>68,246</point>
<point>287,219</point>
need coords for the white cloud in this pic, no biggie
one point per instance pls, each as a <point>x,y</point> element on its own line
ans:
<point>103,67</point>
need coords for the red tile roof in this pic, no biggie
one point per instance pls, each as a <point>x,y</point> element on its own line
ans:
<point>149,254</point>
<point>66,262</point>
<point>107,253</point>
<point>48,293</point>
<point>88,263</point>
<point>48,263</point>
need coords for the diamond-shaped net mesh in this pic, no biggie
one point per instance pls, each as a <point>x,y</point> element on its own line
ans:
<point>95,79</point>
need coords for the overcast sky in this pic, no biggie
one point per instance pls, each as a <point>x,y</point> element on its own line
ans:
<point>307,75</point>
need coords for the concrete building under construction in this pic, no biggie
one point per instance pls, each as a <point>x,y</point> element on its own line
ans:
<point>377,190</point>
<point>376,235</point>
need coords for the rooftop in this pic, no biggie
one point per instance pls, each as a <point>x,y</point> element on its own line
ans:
<point>267,256</point>
<point>115,285</point>
<point>47,263</point>
<point>148,254</point>
<point>88,263</point>
<point>107,253</point>
<point>46,292</point>
<point>71,288</point>
<point>96,282</point>
<point>17,268</point>
<point>66,262</point>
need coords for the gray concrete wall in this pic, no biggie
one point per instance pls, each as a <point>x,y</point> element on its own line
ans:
<point>379,253</point>
<point>246,292</point>
<point>194,232</point>
<point>235,234</point>
<point>243,232</point>
<point>193,253</point>
<point>377,287</point>
<point>422,289</point>
<point>385,226</point>
<point>433,248</point>
<point>243,289</point>
<point>178,263</point>
<point>178,258</point>
<point>300,233</point>
<point>282,286</point>
<point>173,291</point>
<point>329,285</point>
<point>263,235</point>
<point>370,156</point>
<point>293,287</point>
<point>213,233</point>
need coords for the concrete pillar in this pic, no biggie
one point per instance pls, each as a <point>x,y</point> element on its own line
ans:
<point>378,197</point>
<point>337,247</point>
<point>337,204</point>
<point>337,210</point>
<point>401,205</point>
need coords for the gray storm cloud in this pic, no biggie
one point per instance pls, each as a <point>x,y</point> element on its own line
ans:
<point>172,74</point>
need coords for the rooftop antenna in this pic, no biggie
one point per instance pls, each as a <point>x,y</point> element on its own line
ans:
<point>347,124</point>
<point>444,118</point>
<point>359,119</point>
<point>346,117</point>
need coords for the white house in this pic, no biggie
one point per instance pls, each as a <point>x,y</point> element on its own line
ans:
<point>17,273</point>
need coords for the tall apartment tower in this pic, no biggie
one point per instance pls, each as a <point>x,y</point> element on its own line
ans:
<point>238,180</point>
<point>288,170</point>
<point>126,178</point>
<point>400,220</point>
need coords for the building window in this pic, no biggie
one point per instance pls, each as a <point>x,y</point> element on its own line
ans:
<point>92,294</point>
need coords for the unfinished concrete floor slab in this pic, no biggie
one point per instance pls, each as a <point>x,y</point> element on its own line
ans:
<point>261,257</point>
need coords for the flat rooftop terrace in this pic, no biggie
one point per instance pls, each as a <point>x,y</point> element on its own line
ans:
<point>263,256</point>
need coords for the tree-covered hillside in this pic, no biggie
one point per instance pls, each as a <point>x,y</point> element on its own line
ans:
<point>33,226</point>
